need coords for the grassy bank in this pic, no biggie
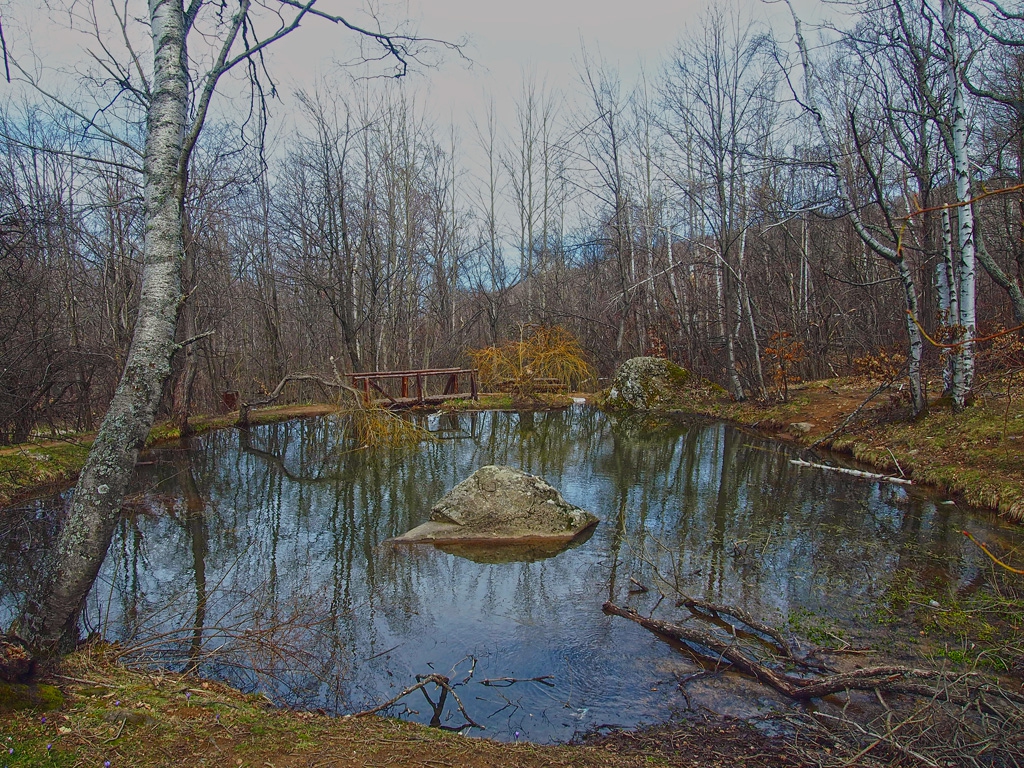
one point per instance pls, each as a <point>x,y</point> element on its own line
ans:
<point>35,466</point>
<point>976,456</point>
<point>122,718</point>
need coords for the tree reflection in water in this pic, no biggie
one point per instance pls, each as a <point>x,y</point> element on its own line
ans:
<point>259,556</point>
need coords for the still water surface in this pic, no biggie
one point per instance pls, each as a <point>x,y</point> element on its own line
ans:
<point>261,556</point>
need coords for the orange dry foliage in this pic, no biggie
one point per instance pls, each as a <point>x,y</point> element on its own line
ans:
<point>783,353</point>
<point>550,357</point>
<point>882,366</point>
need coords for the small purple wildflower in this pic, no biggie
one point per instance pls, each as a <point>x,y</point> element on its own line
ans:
<point>117,703</point>
<point>188,695</point>
<point>49,747</point>
<point>42,719</point>
<point>106,764</point>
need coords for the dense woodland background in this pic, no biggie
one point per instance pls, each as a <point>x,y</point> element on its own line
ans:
<point>699,214</point>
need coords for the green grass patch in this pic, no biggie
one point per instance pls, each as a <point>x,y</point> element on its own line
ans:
<point>31,466</point>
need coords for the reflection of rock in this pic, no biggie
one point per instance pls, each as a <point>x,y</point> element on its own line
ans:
<point>643,383</point>
<point>514,552</point>
<point>501,505</point>
<point>644,426</point>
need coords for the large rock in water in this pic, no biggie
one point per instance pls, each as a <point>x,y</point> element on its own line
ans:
<point>501,504</point>
<point>647,383</point>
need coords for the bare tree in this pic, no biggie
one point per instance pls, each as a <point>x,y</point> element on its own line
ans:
<point>838,161</point>
<point>175,93</point>
<point>721,85</point>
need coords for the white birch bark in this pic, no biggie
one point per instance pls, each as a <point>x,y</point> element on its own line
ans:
<point>916,342</point>
<point>945,281</point>
<point>963,366</point>
<point>49,621</point>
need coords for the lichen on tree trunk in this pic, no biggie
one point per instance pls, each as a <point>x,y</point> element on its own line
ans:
<point>49,621</point>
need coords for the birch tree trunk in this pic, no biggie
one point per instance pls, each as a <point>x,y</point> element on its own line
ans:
<point>945,281</point>
<point>963,362</point>
<point>894,256</point>
<point>49,623</point>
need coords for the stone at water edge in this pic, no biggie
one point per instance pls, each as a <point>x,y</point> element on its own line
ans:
<point>501,504</point>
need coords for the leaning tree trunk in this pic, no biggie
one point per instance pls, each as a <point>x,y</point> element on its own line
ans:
<point>894,256</point>
<point>49,622</point>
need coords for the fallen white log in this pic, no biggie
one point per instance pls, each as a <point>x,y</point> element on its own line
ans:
<point>854,472</point>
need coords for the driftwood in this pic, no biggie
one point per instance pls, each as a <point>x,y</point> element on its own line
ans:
<point>714,650</point>
<point>703,607</point>
<point>422,681</point>
<point>854,472</point>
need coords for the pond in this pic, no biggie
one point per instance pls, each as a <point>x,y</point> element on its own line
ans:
<point>261,558</point>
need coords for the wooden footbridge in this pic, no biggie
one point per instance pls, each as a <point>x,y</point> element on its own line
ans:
<point>428,386</point>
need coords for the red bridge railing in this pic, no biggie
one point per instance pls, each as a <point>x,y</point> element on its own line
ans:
<point>420,387</point>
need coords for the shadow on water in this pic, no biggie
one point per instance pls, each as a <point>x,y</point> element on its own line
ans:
<point>259,557</point>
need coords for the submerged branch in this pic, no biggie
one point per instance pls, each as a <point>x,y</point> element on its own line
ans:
<point>713,649</point>
<point>700,606</point>
<point>441,682</point>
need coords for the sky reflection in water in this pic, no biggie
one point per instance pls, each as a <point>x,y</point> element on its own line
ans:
<point>278,534</point>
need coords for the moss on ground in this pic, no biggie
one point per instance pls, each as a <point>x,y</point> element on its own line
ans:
<point>35,466</point>
<point>137,719</point>
<point>17,696</point>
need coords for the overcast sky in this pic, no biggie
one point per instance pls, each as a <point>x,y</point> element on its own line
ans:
<point>504,41</point>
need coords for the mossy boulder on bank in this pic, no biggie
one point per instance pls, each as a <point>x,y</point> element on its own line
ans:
<point>18,696</point>
<point>647,383</point>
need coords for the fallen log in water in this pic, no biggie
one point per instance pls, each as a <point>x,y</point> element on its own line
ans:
<point>854,472</point>
<point>701,642</point>
<point>703,608</point>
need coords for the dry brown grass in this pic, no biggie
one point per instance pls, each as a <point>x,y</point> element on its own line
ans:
<point>523,368</point>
